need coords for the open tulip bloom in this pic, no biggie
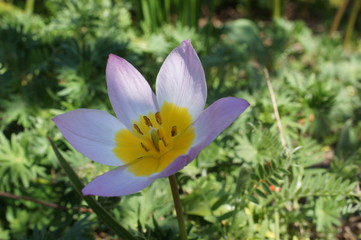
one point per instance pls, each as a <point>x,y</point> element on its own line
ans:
<point>153,136</point>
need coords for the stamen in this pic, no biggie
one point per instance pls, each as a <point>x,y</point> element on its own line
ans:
<point>158,118</point>
<point>135,126</point>
<point>158,133</point>
<point>155,139</point>
<point>165,144</point>
<point>144,147</point>
<point>147,121</point>
<point>161,137</point>
<point>173,132</point>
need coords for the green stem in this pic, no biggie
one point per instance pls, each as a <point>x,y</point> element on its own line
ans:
<point>340,12</point>
<point>351,22</point>
<point>178,207</point>
<point>276,9</point>
<point>277,225</point>
<point>29,6</point>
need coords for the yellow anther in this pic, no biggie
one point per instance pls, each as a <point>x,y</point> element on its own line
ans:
<point>147,121</point>
<point>135,126</point>
<point>174,132</point>
<point>155,138</point>
<point>158,118</point>
<point>144,147</point>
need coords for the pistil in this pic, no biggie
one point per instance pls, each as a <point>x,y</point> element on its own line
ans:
<point>155,138</point>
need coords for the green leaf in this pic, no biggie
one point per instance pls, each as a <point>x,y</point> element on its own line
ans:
<point>253,199</point>
<point>274,182</point>
<point>255,177</point>
<point>260,193</point>
<point>267,169</point>
<point>266,188</point>
<point>93,204</point>
<point>276,175</point>
<point>222,200</point>
<point>260,171</point>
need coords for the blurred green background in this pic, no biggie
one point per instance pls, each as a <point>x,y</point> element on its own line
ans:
<point>246,184</point>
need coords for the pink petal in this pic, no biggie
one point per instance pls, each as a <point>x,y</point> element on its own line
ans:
<point>92,133</point>
<point>117,182</point>
<point>129,93</point>
<point>181,80</point>
<point>208,126</point>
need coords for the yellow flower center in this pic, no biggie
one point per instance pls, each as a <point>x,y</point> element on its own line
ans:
<point>155,140</point>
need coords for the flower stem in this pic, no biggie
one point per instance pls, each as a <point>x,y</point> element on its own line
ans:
<point>178,207</point>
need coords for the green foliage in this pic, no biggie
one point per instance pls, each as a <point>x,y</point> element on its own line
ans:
<point>98,209</point>
<point>153,14</point>
<point>244,185</point>
<point>80,230</point>
<point>17,170</point>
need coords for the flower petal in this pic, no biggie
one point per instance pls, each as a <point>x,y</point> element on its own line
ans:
<point>181,80</point>
<point>129,93</point>
<point>117,182</point>
<point>178,164</point>
<point>91,132</point>
<point>210,123</point>
<point>216,118</point>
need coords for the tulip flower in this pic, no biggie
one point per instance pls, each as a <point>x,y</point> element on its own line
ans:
<point>152,136</point>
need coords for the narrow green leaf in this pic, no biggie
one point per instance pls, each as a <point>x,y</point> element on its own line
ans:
<point>284,171</point>
<point>276,175</point>
<point>266,188</point>
<point>255,177</point>
<point>274,182</point>
<point>260,193</point>
<point>227,215</point>
<point>272,165</point>
<point>267,169</point>
<point>93,204</point>
<point>219,202</point>
<point>260,171</point>
<point>253,199</point>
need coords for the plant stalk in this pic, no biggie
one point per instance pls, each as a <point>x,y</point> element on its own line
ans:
<point>275,108</point>
<point>340,12</point>
<point>277,225</point>
<point>276,9</point>
<point>351,22</point>
<point>178,207</point>
<point>29,7</point>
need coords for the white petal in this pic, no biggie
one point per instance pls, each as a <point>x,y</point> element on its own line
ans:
<point>181,80</point>
<point>216,118</point>
<point>91,132</point>
<point>118,182</point>
<point>129,93</point>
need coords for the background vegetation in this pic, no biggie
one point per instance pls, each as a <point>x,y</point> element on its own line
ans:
<point>246,184</point>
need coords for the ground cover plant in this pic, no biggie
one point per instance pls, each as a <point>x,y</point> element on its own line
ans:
<point>288,168</point>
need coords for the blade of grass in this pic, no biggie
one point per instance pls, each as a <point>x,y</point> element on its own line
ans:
<point>351,23</point>
<point>337,19</point>
<point>93,204</point>
<point>276,9</point>
<point>275,108</point>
